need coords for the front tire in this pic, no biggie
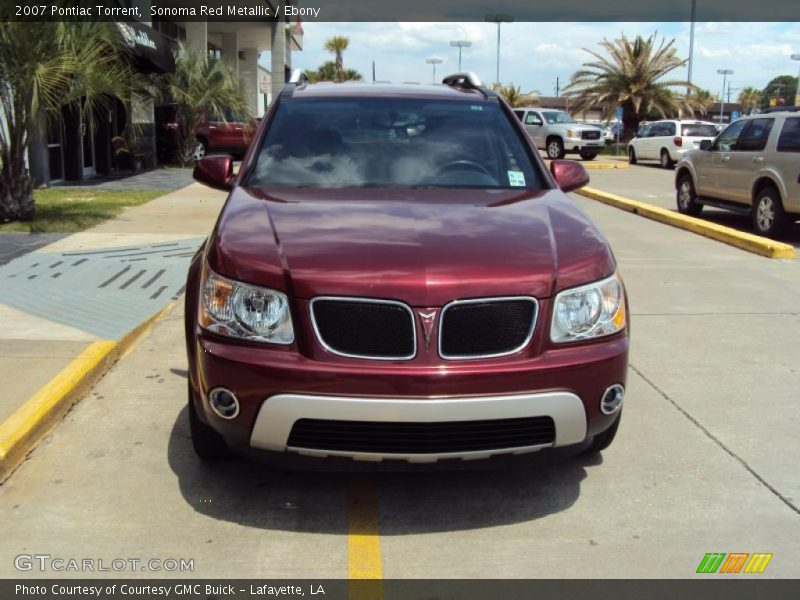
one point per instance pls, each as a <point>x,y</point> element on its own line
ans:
<point>588,155</point>
<point>632,160</point>
<point>200,150</point>
<point>687,197</point>
<point>555,149</point>
<point>666,161</point>
<point>603,440</point>
<point>769,218</point>
<point>207,443</point>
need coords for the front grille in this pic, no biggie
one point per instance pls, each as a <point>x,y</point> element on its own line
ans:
<point>593,134</point>
<point>487,327</point>
<point>378,329</point>
<point>421,438</point>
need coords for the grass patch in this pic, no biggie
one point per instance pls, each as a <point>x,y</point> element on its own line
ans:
<point>66,210</point>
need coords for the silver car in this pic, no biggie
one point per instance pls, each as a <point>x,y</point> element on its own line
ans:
<point>557,133</point>
<point>752,167</point>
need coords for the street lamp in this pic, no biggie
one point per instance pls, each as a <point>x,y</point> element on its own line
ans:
<point>797,89</point>
<point>434,62</point>
<point>498,19</point>
<point>460,44</point>
<point>691,47</point>
<point>724,73</point>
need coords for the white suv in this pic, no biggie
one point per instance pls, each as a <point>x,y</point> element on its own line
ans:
<point>667,141</point>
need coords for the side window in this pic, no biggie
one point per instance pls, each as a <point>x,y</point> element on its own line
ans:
<point>754,138</point>
<point>643,132</point>
<point>789,141</point>
<point>658,129</point>
<point>533,119</point>
<point>520,114</point>
<point>669,129</point>
<point>727,140</point>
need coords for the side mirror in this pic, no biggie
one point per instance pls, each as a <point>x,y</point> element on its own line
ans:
<point>706,144</point>
<point>215,171</point>
<point>569,174</point>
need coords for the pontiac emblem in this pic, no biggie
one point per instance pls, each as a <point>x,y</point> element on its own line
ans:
<point>427,319</point>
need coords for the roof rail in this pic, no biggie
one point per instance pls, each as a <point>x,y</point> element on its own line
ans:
<point>467,79</point>
<point>298,77</point>
<point>470,81</point>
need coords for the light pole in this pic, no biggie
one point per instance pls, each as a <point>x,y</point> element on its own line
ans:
<point>724,73</point>
<point>498,18</point>
<point>460,44</point>
<point>434,62</point>
<point>797,89</point>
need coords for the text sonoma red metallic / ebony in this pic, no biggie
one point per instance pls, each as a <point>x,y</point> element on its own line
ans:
<point>396,275</point>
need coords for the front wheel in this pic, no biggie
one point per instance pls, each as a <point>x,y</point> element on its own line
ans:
<point>687,197</point>
<point>555,149</point>
<point>586,155</point>
<point>603,439</point>
<point>200,150</point>
<point>769,217</point>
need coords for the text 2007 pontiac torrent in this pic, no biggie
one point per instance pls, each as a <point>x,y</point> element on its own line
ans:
<point>396,276</point>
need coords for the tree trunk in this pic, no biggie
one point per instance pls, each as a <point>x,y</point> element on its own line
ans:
<point>630,121</point>
<point>16,198</point>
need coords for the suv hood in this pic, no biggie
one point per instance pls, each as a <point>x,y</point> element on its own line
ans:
<point>425,247</point>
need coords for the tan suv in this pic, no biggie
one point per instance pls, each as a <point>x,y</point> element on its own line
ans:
<point>752,167</point>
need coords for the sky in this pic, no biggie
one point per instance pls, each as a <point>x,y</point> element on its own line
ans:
<point>533,55</point>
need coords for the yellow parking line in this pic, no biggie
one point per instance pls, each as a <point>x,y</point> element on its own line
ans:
<point>363,542</point>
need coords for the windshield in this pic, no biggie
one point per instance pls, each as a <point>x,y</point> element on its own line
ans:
<point>392,142</point>
<point>557,116</point>
<point>699,130</point>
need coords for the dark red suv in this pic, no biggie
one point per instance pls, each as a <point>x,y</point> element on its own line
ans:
<point>396,275</point>
<point>218,133</point>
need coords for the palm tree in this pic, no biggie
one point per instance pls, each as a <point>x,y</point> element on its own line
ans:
<point>200,88</point>
<point>703,100</point>
<point>514,95</point>
<point>327,72</point>
<point>631,76</point>
<point>749,98</point>
<point>336,46</point>
<point>43,67</point>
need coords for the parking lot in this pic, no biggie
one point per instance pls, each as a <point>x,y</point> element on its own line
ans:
<point>705,461</point>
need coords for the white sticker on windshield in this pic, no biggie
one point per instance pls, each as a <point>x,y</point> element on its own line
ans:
<point>516,179</point>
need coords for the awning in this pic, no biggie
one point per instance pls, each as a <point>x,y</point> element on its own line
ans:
<point>150,50</point>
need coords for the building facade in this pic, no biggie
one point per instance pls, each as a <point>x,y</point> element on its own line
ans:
<point>73,148</point>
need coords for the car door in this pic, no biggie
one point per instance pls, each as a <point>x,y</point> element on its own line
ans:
<point>534,125</point>
<point>786,159</point>
<point>655,140</point>
<point>715,169</point>
<point>639,140</point>
<point>746,161</point>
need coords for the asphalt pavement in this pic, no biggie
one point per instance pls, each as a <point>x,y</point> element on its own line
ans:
<point>705,460</point>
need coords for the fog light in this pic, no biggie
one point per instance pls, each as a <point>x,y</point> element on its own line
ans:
<point>224,402</point>
<point>612,399</point>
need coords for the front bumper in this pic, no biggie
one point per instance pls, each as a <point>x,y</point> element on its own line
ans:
<point>278,386</point>
<point>279,413</point>
<point>578,144</point>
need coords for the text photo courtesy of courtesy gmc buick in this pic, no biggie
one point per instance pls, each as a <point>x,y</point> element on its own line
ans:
<point>396,276</point>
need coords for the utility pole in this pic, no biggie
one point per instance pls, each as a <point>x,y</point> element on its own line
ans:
<point>373,71</point>
<point>460,44</point>
<point>557,87</point>
<point>498,18</point>
<point>724,73</point>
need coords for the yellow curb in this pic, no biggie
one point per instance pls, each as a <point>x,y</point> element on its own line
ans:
<point>20,433</point>
<point>740,239</point>
<point>595,166</point>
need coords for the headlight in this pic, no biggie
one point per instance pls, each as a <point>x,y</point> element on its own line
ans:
<point>244,311</point>
<point>572,133</point>
<point>590,311</point>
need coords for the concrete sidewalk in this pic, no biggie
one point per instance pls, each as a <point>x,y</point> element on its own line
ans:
<point>58,294</point>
